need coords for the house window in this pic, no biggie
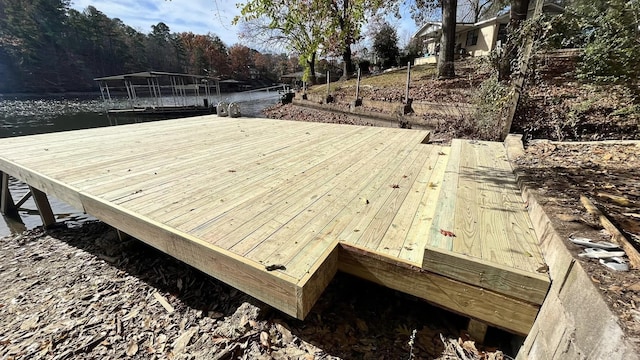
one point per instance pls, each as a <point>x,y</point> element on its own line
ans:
<point>472,37</point>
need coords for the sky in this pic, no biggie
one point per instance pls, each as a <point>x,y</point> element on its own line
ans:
<point>197,16</point>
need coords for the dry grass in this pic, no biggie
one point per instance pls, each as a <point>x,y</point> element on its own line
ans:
<point>388,79</point>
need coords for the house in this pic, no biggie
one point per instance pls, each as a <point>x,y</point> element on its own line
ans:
<point>474,39</point>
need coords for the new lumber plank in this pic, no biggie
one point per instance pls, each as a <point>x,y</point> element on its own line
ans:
<point>417,236</point>
<point>518,247</point>
<point>487,306</point>
<point>472,227</point>
<point>274,288</point>
<point>491,229</point>
<point>444,218</point>
<point>47,184</point>
<point>341,190</point>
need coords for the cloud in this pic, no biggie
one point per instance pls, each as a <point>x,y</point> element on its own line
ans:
<point>197,16</point>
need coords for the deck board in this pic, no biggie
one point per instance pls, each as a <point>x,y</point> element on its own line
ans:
<point>230,196</point>
<point>491,227</point>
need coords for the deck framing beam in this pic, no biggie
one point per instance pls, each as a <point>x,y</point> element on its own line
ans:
<point>7,206</point>
<point>44,208</point>
<point>489,307</point>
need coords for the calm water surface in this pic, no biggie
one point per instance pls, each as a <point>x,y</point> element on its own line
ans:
<point>28,116</point>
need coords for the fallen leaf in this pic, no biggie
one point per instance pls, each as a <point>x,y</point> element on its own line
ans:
<point>614,288</point>
<point>447,233</point>
<point>183,340</point>
<point>275,267</point>
<point>543,269</point>
<point>264,339</point>
<point>361,325</point>
<point>287,337</point>
<point>132,348</point>
<point>163,301</point>
<point>30,323</point>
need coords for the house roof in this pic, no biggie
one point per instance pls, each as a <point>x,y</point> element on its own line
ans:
<point>433,29</point>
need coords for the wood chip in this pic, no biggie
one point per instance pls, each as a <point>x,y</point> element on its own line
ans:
<point>132,348</point>
<point>183,340</point>
<point>287,337</point>
<point>165,304</point>
<point>264,339</point>
<point>30,323</point>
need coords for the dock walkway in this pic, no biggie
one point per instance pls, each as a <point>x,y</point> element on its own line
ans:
<point>275,208</point>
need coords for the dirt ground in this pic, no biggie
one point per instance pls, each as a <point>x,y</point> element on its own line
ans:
<point>607,174</point>
<point>82,293</point>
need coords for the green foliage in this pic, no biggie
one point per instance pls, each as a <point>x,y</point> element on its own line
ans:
<point>305,27</point>
<point>610,34</point>
<point>296,25</point>
<point>491,101</point>
<point>385,44</point>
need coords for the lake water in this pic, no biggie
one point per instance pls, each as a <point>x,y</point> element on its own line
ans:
<point>20,116</point>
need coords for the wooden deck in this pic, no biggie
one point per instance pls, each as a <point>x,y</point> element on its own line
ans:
<point>275,208</point>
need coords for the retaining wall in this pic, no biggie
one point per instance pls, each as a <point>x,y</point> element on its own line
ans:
<point>574,321</point>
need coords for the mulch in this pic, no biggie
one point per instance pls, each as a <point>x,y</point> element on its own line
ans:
<point>82,293</point>
<point>607,174</point>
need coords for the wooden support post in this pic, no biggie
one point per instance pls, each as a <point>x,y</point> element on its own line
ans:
<point>477,330</point>
<point>7,206</point>
<point>407,101</point>
<point>357,102</point>
<point>42,203</point>
<point>329,98</point>
<point>406,92</point>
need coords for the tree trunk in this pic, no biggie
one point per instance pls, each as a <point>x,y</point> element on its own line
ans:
<point>346,59</point>
<point>518,15</point>
<point>312,69</point>
<point>448,41</point>
<point>348,39</point>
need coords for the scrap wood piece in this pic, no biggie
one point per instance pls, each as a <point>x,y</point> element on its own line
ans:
<point>165,304</point>
<point>616,236</point>
<point>619,200</point>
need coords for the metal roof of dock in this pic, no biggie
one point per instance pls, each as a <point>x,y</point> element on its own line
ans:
<point>150,74</point>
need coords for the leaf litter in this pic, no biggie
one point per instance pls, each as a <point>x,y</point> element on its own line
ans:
<point>83,293</point>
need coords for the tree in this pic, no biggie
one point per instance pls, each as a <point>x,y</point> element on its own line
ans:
<point>611,41</point>
<point>292,24</point>
<point>241,60</point>
<point>517,15</point>
<point>347,18</point>
<point>476,10</point>
<point>386,45</point>
<point>205,54</point>
<point>446,68</point>
<point>419,10</point>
